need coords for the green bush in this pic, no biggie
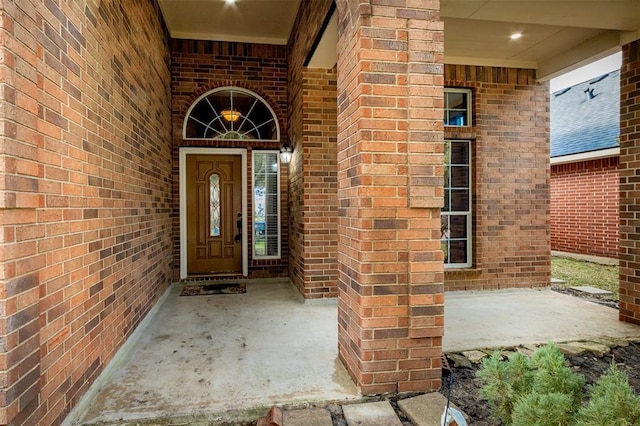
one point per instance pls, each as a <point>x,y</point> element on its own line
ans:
<point>542,409</point>
<point>543,391</point>
<point>612,402</point>
<point>551,375</point>
<point>504,383</point>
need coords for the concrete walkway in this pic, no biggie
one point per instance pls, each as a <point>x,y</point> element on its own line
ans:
<point>232,356</point>
<point>227,355</point>
<point>492,319</point>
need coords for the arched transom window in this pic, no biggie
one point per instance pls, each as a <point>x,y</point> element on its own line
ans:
<point>231,113</point>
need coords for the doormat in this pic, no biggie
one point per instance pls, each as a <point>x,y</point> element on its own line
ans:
<point>208,289</point>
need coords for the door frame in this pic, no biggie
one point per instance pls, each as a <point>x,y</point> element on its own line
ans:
<point>183,202</point>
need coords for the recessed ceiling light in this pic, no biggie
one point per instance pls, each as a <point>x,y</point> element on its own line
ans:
<point>515,36</point>
<point>229,1</point>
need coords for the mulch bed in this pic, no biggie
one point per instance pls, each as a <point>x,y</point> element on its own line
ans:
<point>465,391</point>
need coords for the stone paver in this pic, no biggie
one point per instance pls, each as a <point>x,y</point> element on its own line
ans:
<point>460,360</point>
<point>379,413</point>
<point>570,349</point>
<point>598,349</point>
<point>427,409</point>
<point>475,357</point>
<point>592,290</point>
<point>308,417</point>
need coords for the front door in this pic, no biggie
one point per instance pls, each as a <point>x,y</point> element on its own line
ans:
<point>214,214</point>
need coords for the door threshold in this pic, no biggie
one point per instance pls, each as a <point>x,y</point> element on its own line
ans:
<point>202,277</point>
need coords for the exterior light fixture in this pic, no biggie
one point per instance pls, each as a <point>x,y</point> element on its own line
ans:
<point>515,36</point>
<point>285,153</point>
<point>230,114</point>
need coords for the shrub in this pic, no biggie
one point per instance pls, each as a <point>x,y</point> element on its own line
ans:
<point>551,375</point>
<point>542,409</point>
<point>540,390</point>
<point>504,383</point>
<point>543,391</point>
<point>612,402</point>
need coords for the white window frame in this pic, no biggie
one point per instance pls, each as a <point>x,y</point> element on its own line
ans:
<point>279,209</point>
<point>230,89</point>
<point>468,213</point>
<point>469,116</point>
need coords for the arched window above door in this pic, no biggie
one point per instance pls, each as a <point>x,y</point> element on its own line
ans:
<point>231,113</point>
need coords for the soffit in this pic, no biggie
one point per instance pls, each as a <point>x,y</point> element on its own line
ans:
<point>557,36</point>
<point>251,21</point>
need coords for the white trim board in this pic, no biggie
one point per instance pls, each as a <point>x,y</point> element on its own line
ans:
<point>586,156</point>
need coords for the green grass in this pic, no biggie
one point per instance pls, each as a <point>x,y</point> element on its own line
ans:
<point>581,273</point>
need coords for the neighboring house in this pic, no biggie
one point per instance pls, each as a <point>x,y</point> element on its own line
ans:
<point>136,152</point>
<point>585,130</point>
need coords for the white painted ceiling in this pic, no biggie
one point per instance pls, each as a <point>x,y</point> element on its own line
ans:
<point>557,36</point>
<point>256,21</point>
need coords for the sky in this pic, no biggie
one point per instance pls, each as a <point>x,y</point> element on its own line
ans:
<point>595,69</point>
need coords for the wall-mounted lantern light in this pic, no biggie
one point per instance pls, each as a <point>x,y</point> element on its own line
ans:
<point>285,153</point>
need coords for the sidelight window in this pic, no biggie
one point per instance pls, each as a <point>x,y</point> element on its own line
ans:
<point>266,204</point>
<point>456,214</point>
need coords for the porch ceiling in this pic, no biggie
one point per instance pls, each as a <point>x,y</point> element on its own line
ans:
<point>557,36</point>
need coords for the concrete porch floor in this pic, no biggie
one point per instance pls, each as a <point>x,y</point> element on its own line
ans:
<point>223,355</point>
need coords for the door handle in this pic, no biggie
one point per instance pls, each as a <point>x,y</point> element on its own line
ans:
<point>238,236</point>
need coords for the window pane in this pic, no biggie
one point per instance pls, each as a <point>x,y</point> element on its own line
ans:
<point>447,200</point>
<point>458,251</point>
<point>457,118</point>
<point>444,228</point>
<point>445,249</point>
<point>266,216</point>
<point>456,100</point>
<point>457,226</point>
<point>214,205</point>
<point>447,176</point>
<point>459,152</point>
<point>459,200</point>
<point>459,176</point>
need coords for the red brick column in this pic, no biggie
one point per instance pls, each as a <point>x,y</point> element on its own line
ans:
<point>629,185</point>
<point>390,133</point>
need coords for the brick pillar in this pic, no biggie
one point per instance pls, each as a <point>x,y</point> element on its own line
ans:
<point>390,168</point>
<point>629,185</point>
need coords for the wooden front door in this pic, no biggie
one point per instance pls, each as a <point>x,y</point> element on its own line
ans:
<point>214,214</point>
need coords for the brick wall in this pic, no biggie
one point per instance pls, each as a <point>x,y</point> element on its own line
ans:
<point>390,192</point>
<point>313,188</point>
<point>85,170</point>
<point>200,66</point>
<point>584,207</point>
<point>629,169</point>
<point>511,175</point>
